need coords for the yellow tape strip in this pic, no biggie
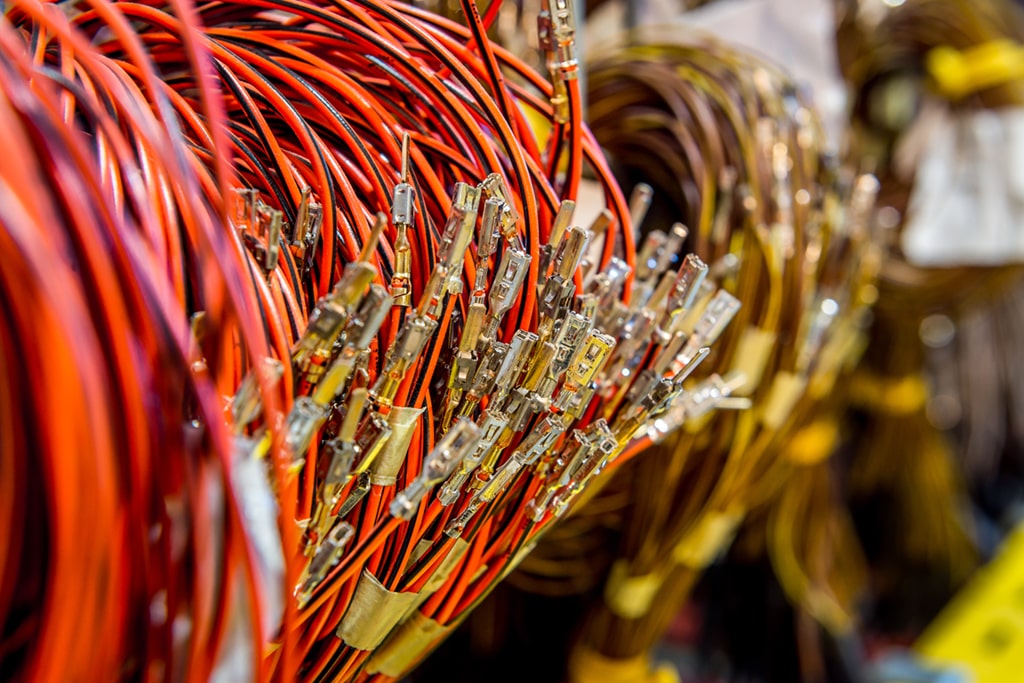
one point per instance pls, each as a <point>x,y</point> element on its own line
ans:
<point>373,613</point>
<point>588,666</point>
<point>890,395</point>
<point>814,443</point>
<point>630,597</point>
<point>713,535</point>
<point>958,74</point>
<point>407,647</point>
<point>752,354</point>
<point>785,392</point>
<point>403,421</point>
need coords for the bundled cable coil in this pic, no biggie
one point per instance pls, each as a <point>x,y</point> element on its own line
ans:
<point>300,328</point>
<point>935,394</point>
<point>732,148</point>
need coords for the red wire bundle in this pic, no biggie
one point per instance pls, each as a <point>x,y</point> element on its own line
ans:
<point>149,289</point>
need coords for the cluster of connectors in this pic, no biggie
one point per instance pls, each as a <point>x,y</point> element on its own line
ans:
<point>565,399</point>
<point>591,352</point>
<point>263,228</point>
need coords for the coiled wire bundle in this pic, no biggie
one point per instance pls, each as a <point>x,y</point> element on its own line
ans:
<point>934,392</point>
<point>733,149</point>
<point>297,265</point>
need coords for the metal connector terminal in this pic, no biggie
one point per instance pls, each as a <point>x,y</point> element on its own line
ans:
<point>680,298</point>
<point>405,350</point>
<point>446,456</point>
<point>371,435</point>
<point>491,426</point>
<point>327,556</point>
<point>303,422</point>
<point>508,281</point>
<point>495,186</point>
<point>247,404</point>
<point>587,362</point>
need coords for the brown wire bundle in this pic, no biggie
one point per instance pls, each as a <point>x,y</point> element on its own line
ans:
<point>935,361</point>
<point>731,148</point>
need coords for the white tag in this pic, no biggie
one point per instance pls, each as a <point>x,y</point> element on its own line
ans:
<point>967,204</point>
<point>258,507</point>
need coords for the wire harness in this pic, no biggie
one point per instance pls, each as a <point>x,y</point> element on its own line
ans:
<point>338,354</point>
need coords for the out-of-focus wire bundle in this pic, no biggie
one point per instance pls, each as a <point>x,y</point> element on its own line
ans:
<point>120,531</point>
<point>273,333</point>
<point>728,141</point>
<point>935,362</point>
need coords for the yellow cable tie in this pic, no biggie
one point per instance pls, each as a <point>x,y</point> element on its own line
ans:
<point>959,73</point>
<point>590,666</point>
<point>813,443</point>
<point>890,395</point>
<point>713,534</point>
<point>629,596</point>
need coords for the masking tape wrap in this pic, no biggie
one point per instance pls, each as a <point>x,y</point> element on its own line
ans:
<point>630,597</point>
<point>713,534</point>
<point>589,666</point>
<point>444,570</point>
<point>419,633</point>
<point>785,392</point>
<point>403,421</point>
<point>421,547</point>
<point>752,354</point>
<point>814,443</point>
<point>373,613</point>
<point>406,648</point>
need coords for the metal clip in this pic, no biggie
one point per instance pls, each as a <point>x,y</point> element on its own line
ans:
<point>373,309</point>
<point>519,354</point>
<point>495,186</point>
<point>408,345</point>
<point>371,435</point>
<point>360,273</point>
<point>489,230</point>
<point>269,221</point>
<point>508,281</point>
<point>639,204</point>
<point>717,316</point>
<point>558,228</point>
<point>598,448</point>
<point>308,221</point>
<point>245,207</point>
<point>486,378</point>
<point>650,257</point>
